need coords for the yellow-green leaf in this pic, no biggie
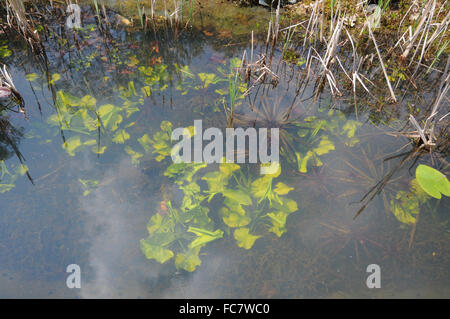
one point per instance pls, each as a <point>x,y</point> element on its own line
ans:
<point>237,196</point>
<point>244,238</point>
<point>278,220</point>
<point>158,253</point>
<point>72,144</point>
<point>188,261</point>
<point>32,77</point>
<point>55,77</point>
<point>121,136</point>
<point>282,189</point>
<point>234,219</point>
<point>432,181</point>
<point>203,236</point>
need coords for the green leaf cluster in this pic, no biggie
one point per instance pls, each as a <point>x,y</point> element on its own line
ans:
<point>249,209</point>
<point>428,183</point>
<point>315,135</point>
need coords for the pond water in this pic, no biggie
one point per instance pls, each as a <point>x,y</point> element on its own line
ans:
<point>98,104</point>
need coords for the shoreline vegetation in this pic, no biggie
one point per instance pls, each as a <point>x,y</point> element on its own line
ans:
<point>403,44</point>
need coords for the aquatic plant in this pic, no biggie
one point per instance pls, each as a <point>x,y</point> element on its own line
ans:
<point>406,204</point>
<point>8,177</point>
<point>250,208</point>
<point>432,181</point>
<point>88,185</point>
<point>4,50</point>
<point>316,134</point>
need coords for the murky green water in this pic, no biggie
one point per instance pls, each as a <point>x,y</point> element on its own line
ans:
<point>97,181</point>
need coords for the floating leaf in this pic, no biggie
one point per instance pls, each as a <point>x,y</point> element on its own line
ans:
<point>432,181</point>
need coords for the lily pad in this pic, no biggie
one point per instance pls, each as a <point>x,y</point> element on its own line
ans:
<point>432,181</point>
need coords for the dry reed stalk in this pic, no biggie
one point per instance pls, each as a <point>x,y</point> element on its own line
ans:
<point>394,99</point>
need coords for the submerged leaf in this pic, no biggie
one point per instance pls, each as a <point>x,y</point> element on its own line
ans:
<point>188,261</point>
<point>261,187</point>
<point>72,144</point>
<point>88,185</point>
<point>55,77</point>
<point>203,236</point>
<point>405,207</point>
<point>158,253</point>
<point>244,238</point>
<point>109,116</point>
<point>88,101</point>
<point>278,223</point>
<point>237,196</point>
<point>121,137</point>
<point>145,142</point>
<point>6,188</point>
<point>282,189</point>
<point>209,78</point>
<point>135,156</point>
<point>32,77</point>
<point>228,168</point>
<point>234,218</point>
